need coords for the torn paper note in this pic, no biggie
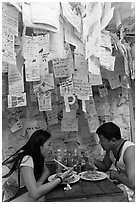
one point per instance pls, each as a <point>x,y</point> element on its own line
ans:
<point>17,100</point>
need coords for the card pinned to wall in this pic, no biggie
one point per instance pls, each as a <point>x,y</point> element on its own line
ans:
<point>60,67</point>
<point>90,108</point>
<point>66,87</point>
<point>52,117</point>
<point>94,65</point>
<point>95,79</point>
<point>32,71</point>
<point>106,39</point>
<point>82,88</point>
<point>16,126</point>
<point>17,100</point>
<point>15,80</point>
<point>8,54</point>
<point>69,124</point>
<point>44,101</point>
<point>69,99</point>
<point>103,91</point>
<point>47,82</point>
<point>114,80</point>
<point>10,19</point>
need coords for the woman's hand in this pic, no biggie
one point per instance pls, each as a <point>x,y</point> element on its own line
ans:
<point>67,173</point>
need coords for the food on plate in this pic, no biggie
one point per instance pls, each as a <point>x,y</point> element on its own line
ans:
<point>66,180</point>
<point>93,175</point>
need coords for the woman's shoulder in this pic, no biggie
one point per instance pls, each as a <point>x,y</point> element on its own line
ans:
<point>27,161</point>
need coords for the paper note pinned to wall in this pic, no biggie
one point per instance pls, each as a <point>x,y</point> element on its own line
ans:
<point>10,20</point>
<point>69,124</point>
<point>60,67</point>
<point>94,65</point>
<point>114,80</point>
<point>103,91</point>
<point>66,87</point>
<point>15,80</point>
<point>8,54</point>
<point>52,117</point>
<point>69,99</point>
<point>32,71</point>
<point>16,126</point>
<point>90,108</point>
<point>44,101</point>
<point>17,100</point>
<point>95,79</point>
<point>45,13</point>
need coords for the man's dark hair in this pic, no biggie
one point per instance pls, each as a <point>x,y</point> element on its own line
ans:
<point>109,130</point>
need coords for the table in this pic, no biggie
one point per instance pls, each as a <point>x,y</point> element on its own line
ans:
<point>87,191</point>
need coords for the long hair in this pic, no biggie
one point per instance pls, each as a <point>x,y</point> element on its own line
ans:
<point>31,148</point>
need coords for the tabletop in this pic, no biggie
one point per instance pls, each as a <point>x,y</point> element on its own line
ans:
<point>87,191</point>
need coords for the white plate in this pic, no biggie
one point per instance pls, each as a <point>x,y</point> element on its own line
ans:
<point>92,175</point>
<point>75,179</point>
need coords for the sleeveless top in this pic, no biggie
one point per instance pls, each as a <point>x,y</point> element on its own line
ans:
<point>121,166</point>
<point>120,163</point>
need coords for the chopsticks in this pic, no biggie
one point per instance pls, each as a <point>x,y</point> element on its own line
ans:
<point>61,164</point>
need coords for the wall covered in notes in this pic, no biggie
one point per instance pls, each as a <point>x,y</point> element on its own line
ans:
<point>52,80</point>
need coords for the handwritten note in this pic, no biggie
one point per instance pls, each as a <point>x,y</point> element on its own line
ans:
<point>82,88</point>
<point>44,101</point>
<point>66,87</point>
<point>15,80</point>
<point>47,82</point>
<point>106,39</point>
<point>94,65</point>
<point>17,100</point>
<point>32,71</point>
<point>90,108</point>
<point>103,91</point>
<point>35,46</point>
<point>60,67</point>
<point>74,19</point>
<point>114,80</point>
<point>95,79</point>
<point>69,124</point>
<point>8,54</point>
<point>104,57</point>
<point>45,13</point>
<point>10,20</point>
<point>16,126</point>
<point>52,117</point>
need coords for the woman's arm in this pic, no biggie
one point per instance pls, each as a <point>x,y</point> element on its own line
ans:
<point>44,175</point>
<point>33,188</point>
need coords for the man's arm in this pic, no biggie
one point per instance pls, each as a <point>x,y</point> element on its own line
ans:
<point>127,178</point>
<point>105,164</point>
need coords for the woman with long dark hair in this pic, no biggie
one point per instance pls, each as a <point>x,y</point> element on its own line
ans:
<point>32,171</point>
